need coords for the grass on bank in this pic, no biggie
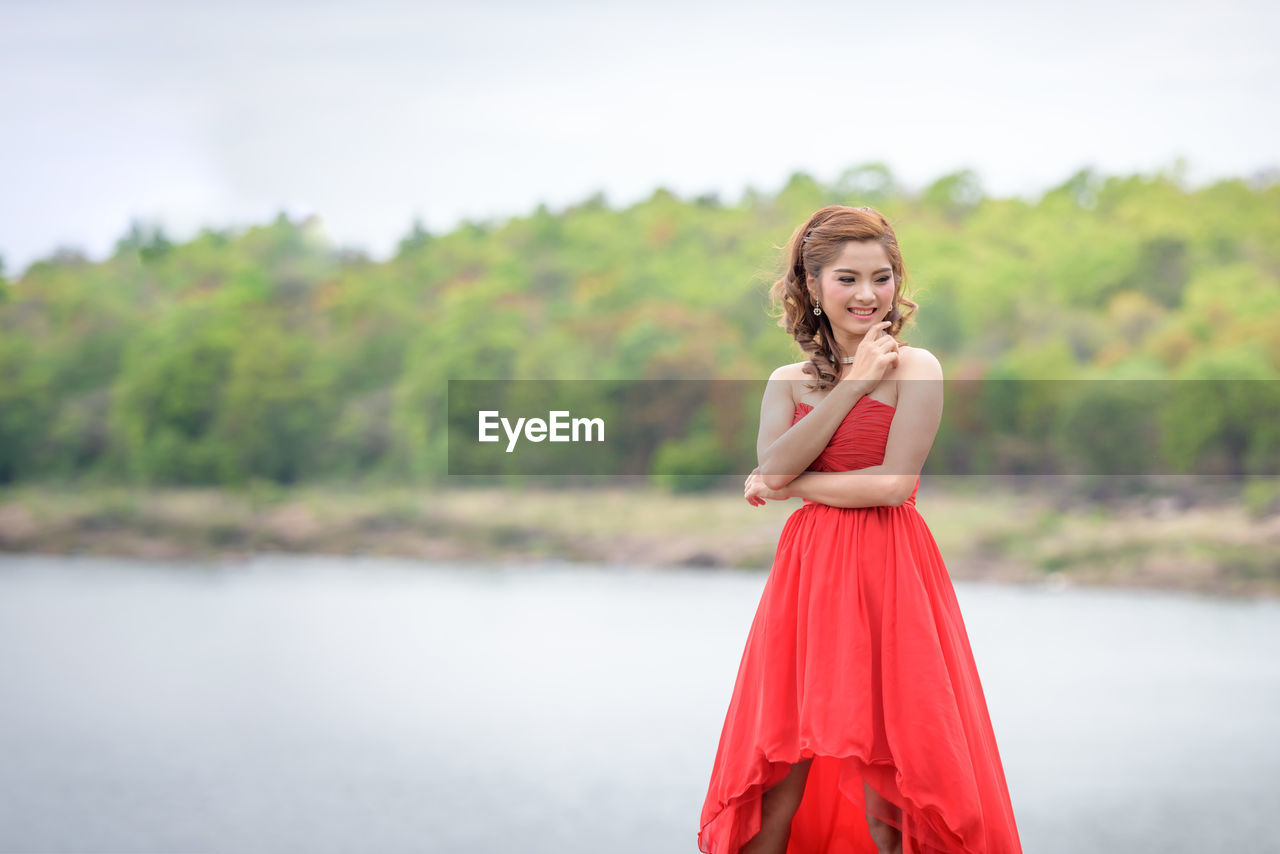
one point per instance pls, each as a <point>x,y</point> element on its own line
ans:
<point>985,529</point>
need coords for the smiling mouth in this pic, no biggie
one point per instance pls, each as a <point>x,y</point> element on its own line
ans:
<point>859,312</point>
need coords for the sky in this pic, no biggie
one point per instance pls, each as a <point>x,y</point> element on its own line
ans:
<point>191,115</point>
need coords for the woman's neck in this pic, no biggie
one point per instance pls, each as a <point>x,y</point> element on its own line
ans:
<point>848,344</point>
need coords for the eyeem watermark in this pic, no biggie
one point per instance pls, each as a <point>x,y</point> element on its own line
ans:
<point>703,428</point>
<point>537,430</point>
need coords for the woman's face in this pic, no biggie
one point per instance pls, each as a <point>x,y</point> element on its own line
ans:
<point>858,280</point>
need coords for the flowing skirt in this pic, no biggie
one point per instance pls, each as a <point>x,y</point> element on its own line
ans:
<point>858,658</point>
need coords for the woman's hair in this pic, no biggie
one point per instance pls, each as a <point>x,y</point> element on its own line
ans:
<point>811,249</point>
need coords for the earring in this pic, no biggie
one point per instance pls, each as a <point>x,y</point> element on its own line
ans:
<point>817,309</point>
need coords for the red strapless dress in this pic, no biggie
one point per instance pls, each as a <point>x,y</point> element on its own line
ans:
<point>858,657</point>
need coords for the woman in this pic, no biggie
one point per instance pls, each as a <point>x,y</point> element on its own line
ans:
<point>857,722</point>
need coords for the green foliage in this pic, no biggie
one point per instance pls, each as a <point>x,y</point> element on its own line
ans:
<point>168,394</point>
<point>1262,497</point>
<point>696,461</point>
<point>274,403</point>
<point>1226,428</point>
<point>266,356</point>
<point>1110,427</point>
<point>955,195</point>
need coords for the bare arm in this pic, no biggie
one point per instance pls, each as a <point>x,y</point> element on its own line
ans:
<point>785,450</point>
<point>868,487</point>
<point>911,434</point>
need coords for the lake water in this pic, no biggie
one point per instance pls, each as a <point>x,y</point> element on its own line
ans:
<point>330,704</point>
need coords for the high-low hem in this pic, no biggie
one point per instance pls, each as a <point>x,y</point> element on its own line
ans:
<point>832,819</point>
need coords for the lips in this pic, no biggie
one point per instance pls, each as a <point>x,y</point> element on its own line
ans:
<point>860,313</point>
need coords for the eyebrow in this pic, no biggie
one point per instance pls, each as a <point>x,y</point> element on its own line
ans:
<point>881,270</point>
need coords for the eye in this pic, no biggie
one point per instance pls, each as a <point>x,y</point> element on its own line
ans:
<point>878,281</point>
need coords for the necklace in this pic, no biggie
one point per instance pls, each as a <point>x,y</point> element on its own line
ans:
<point>849,360</point>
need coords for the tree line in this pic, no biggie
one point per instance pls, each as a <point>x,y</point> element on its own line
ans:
<point>269,353</point>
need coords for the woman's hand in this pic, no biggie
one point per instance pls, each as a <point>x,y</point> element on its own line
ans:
<point>876,353</point>
<point>755,491</point>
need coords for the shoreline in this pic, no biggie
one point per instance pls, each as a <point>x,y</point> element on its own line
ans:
<point>1003,536</point>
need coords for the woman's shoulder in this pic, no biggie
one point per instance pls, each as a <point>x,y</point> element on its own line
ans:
<point>794,371</point>
<point>792,378</point>
<point>918,363</point>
